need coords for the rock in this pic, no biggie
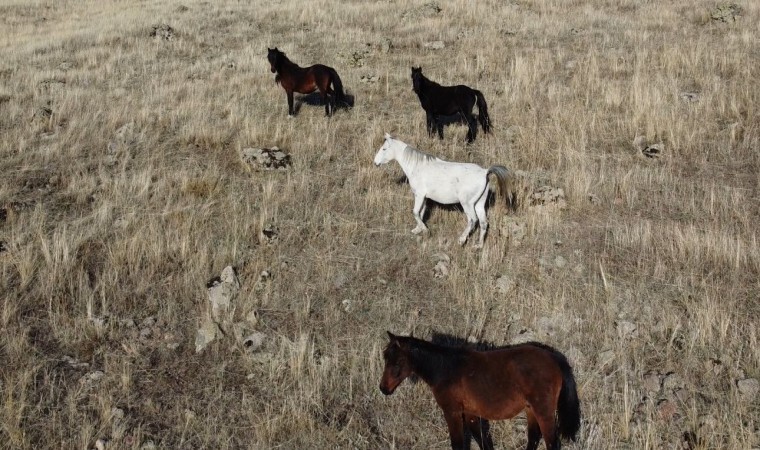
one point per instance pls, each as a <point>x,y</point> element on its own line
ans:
<point>269,234</point>
<point>252,317</point>
<point>640,143</point>
<point>525,335</point>
<point>605,358</point>
<point>265,158</point>
<point>434,45</point>
<point>430,9</point>
<point>369,79</point>
<point>386,46</point>
<point>205,335</point>
<point>182,8</point>
<point>355,58</point>
<point>441,269</point>
<point>73,362</point>
<point>593,199</point>
<point>162,31</point>
<point>100,444</point>
<point>3,246</point>
<point>254,342</point>
<point>548,197</point>
<point>653,151</point>
<point>748,388</point>
<point>346,303</point>
<point>513,229</point>
<point>625,328</point>
<point>221,291</point>
<point>559,262</point>
<point>672,382</point>
<point>93,377</point>
<point>689,97</point>
<point>504,284</point>
<point>652,382</point>
<point>145,333</point>
<point>666,410</point>
<point>261,283</point>
<point>121,144</point>
<point>43,113</point>
<point>148,445</point>
<point>726,12</point>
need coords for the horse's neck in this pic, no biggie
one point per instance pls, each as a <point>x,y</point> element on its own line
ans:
<point>409,161</point>
<point>435,364</point>
<point>285,63</point>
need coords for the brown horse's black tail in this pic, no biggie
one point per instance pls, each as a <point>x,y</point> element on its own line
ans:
<point>483,118</point>
<point>568,407</point>
<point>340,95</point>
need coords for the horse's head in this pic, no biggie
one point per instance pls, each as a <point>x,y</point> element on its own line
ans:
<point>273,55</point>
<point>416,78</point>
<point>387,152</point>
<point>397,364</point>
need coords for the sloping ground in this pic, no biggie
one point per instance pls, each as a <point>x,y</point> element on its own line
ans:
<point>123,193</point>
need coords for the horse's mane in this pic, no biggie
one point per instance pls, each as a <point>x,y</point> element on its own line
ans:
<point>415,156</point>
<point>452,341</point>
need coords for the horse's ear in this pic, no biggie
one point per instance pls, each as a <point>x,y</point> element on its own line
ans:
<point>391,336</point>
<point>387,136</point>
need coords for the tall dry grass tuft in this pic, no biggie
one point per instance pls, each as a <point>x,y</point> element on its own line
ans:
<point>122,194</point>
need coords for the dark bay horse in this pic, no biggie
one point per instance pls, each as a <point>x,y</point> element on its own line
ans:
<point>472,387</point>
<point>440,101</point>
<point>306,80</point>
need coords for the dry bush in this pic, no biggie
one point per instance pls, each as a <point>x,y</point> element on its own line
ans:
<point>123,193</point>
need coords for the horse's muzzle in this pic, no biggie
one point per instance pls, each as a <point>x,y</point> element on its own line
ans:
<point>385,390</point>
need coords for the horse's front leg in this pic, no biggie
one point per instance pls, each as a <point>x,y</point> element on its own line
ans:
<point>480,431</point>
<point>456,430</point>
<point>418,211</point>
<point>291,110</point>
<point>439,127</point>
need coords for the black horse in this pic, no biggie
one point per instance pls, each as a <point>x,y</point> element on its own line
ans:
<point>440,101</point>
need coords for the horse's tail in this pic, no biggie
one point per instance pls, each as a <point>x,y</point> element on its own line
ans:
<point>506,180</point>
<point>483,118</point>
<point>340,95</point>
<point>568,406</point>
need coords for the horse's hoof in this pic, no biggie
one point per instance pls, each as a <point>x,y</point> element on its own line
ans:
<point>291,116</point>
<point>478,246</point>
<point>462,241</point>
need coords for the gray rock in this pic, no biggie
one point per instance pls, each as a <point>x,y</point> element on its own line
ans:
<point>505,284</point>
<point>441,269</point>
<point>748,388</point>
<point>672,382</point>
<point>386,46</point>
<point>205,335</point>
<point>162,31</point>
<point>625,328</point>
<point>689,97</point>
<point>265,158</point>
<point>222,291</point>
<point>652,382</point>
<point>605,358</point>
<point>254,342</point>
<point>434,45</point>
<point>548,197</point>
<point>726,12</point>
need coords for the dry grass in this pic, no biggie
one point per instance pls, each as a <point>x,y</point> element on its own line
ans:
<point>96,239</point>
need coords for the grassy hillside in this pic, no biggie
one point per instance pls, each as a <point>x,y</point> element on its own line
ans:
<point>122,193</point>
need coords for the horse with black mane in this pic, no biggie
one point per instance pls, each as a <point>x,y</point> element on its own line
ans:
<point>440,101</point>
<point>473,387</point>
<point>306,80</point>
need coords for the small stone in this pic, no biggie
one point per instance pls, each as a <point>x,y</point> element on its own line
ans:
<point>672,382</point>
<point>117,413</point>
<point>386,46</point>
<point>252,317</point>
<point>666,409</point>
<point>146,333</point>
<point>434,45</point>
<point>605,358</point>
<point>346,305</point>
<point>148,321</point>
<point>640,143</point>
<point>505,284</point>
<point>652,382</point>
<point>172,345</point>
<point>625,328</point>
<point>726,12</point>
<point>525,335</point>
<point>560,262</point>
<point>441,270</point>
<point>653,151</point>
<point>162,31</point>
<point>689,97</point>
<point>100,444</point>
<point>748,388</point>
<point>94,376</point>
<point>205,335</point>
<point>593,199</point>
<point>254,341</point>
<point>148,445</point>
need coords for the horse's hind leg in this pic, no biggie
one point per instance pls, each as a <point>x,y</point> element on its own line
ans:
<point>430,120</point>
<point>480,211</point>
<point>472,126</point>
<point>469,210</point>
<point>480,431</point>
<point>534,431</point>
<point>456,430</point>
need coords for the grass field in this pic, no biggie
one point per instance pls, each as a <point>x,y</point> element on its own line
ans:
<point>122,193</point>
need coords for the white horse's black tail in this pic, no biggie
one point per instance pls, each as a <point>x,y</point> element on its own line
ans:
<point>505,179</point>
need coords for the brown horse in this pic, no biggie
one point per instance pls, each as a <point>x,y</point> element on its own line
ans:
<point>306,80</point>
<point>473,387</point>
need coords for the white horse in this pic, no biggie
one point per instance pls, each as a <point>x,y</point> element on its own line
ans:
<point>444,182</point>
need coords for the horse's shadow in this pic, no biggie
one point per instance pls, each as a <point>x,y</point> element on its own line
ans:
<point>314,99</point>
